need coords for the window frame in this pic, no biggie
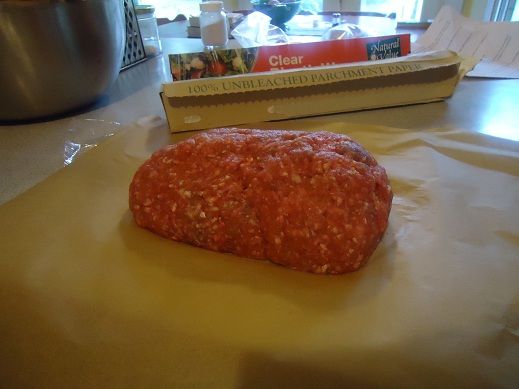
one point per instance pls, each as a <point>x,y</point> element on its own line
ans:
<point>488,10</point>
<point>430,8</point>
<point>502,10</point>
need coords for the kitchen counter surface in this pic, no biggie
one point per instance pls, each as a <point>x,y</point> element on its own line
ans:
<point>89,299</point>
<point>30,152</point>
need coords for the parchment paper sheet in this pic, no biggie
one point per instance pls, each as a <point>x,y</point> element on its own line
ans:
<point>87,299</point>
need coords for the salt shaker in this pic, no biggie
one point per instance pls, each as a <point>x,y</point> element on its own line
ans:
<point>149,30</point>
<point>213,24</point>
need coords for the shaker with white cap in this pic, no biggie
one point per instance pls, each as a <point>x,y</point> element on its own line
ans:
<point>213,24</point>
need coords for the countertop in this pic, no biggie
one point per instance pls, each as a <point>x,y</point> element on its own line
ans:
<point>30,152</point>
<point>89,299</point>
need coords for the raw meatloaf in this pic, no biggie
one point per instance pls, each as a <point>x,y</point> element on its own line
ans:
<point>311,201</point>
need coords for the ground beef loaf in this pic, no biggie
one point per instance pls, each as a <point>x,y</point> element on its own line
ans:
<point>311,201</point>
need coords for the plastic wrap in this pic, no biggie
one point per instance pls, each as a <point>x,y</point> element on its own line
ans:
<point>383,26</point>
<point>345,31</point>
<point>85,134</point>
<point>256,30</point>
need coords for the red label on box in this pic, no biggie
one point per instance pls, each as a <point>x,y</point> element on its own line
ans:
<point>226,62</point>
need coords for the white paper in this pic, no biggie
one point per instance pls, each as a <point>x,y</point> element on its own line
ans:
<point>90,300</point>
<point>495,45</point>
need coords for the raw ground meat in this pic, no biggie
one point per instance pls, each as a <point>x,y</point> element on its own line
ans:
<point>311,201</point>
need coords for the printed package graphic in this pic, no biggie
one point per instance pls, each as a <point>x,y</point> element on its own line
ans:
<point>227,62</point>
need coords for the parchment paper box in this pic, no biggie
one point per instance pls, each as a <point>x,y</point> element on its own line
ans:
<point>248,98</point>
<point>227,62</point>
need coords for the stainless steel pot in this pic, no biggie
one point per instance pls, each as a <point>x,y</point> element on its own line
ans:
<point>56,55</point>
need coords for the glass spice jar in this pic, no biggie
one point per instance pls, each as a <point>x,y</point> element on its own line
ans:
<point>149,29</point>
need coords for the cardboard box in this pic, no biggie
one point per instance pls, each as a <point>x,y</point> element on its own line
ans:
<point>225,62</point>
<point>225,101</point>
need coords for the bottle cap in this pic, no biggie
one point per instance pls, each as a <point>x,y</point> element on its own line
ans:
<point>211,6</point>
<point>144,9</point>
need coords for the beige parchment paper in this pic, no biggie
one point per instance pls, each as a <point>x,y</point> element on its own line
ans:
<point>87,299</point>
